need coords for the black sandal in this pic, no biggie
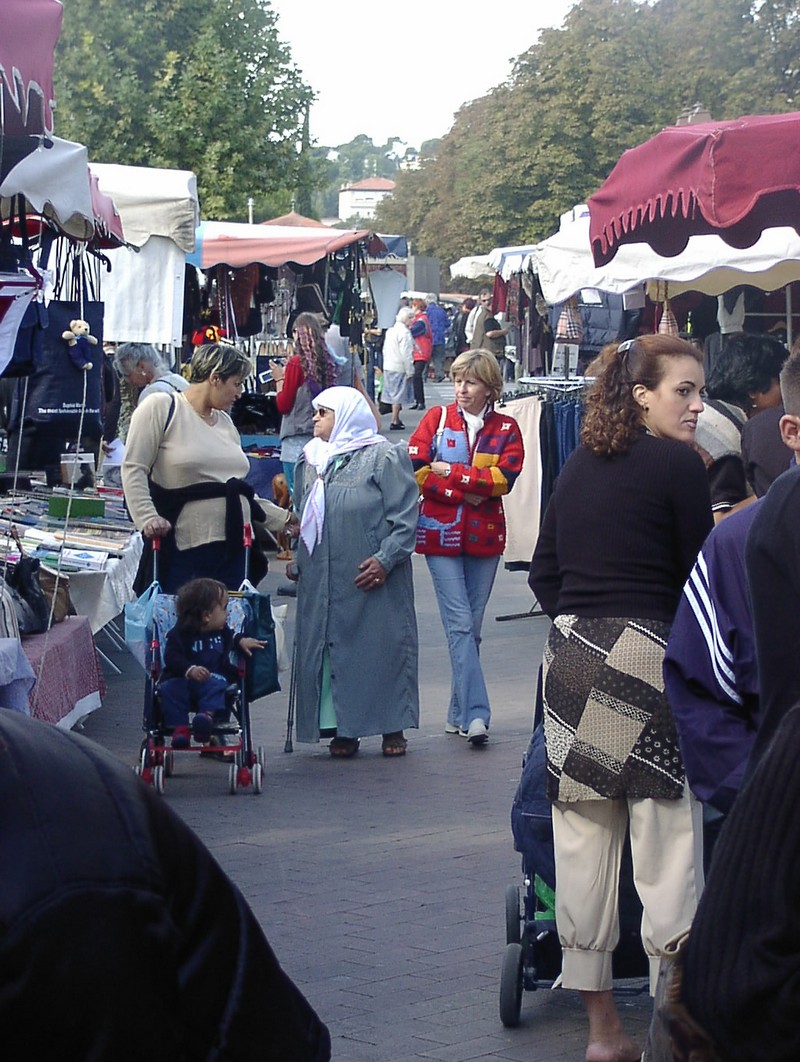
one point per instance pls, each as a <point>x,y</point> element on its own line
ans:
<point>394,744</point>
<point>343,748</point>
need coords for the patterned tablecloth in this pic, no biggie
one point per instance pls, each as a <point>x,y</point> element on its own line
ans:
<point>69,684</point>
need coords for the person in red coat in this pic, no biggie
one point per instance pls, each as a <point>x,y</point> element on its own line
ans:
<point>420,329</point>
<point>466,456</point>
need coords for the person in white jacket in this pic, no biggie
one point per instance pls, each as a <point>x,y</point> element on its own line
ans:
<point>398,365</point>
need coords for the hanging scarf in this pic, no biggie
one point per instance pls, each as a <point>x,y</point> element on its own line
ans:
<point>353,429</point>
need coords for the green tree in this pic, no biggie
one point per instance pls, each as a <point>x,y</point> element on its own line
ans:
<point>186,84</point>
<point>615,73</point>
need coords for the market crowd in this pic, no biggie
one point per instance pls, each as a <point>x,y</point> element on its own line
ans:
<point>670,667</point>
<point>667,561</point>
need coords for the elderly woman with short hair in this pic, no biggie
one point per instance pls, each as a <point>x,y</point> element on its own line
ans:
<point>143,366</point>
<point>398,365</point>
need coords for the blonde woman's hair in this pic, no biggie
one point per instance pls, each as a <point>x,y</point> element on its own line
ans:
<point>483,366</point>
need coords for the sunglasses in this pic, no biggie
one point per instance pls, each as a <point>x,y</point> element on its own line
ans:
<point>323,412</point>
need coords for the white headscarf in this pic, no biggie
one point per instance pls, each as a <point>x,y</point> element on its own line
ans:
<point>353,429</point>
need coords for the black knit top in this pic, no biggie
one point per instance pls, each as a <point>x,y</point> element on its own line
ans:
<point>621,533</point>
<point>741,977</point>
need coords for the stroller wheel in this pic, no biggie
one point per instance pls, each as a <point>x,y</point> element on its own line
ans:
<point>511,986</point>
<point>257,776</point>
<point>513,927</point>
<point>169,763</point>
<point>233,779</point>
<point>158,778</point>
<point>261,756</point>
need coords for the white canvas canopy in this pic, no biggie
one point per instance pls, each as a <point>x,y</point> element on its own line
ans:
<point>54,179</point>
<point>564,264</point>
<point>510,260</point>
<point>143,294</point>
<point>472,267</point>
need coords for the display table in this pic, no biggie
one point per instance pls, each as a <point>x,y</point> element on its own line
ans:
<point>102,595</point>
<point>68,682</point>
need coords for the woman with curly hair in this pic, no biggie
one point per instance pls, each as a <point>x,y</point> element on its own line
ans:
<point>628,515</point>
<point>309,370</point>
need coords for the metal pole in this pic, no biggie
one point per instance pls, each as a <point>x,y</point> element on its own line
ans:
<point>250,209</point>
<point>789,336</point>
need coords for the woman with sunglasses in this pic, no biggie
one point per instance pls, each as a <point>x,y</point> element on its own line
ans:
<point>628,515</point>
<point>356,634</point>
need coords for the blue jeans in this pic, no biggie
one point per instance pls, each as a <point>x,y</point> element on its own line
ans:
<point>179,696</point>
<point>462,586</point>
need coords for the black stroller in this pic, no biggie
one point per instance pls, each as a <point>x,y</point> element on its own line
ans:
<point>230,740</point>
<point>532,957</point>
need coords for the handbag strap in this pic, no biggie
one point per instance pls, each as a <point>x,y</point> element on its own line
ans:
<point>437,438</point>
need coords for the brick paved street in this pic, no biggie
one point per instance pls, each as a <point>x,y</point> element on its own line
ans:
<point>380,882</point>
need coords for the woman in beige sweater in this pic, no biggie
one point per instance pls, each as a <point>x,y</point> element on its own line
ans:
<point>184,476</point>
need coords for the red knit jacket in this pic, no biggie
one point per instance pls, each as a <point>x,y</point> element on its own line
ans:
<point>450,525</point>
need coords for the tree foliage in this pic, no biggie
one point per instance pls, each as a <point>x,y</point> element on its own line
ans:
<point>186,84</point>
<point>616,73</point>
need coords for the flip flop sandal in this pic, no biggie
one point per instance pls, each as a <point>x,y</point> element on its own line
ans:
<point>343,748</point>
<point>394,744</point>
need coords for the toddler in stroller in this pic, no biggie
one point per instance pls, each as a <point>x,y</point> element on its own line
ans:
<point>190,670</point>
<point>197,663</point>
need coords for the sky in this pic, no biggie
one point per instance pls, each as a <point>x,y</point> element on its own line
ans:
<point>404,70</point>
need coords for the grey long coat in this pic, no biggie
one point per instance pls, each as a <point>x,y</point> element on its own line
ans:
<point>371,504</point>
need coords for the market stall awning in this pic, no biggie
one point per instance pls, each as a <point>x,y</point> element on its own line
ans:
<point>236,244</point>
<point>508,260</point>
<point>54,179</point>
<point>29,32</point>
<point>152,202</point>
<point>473,267</point>
<point>564,264</point>
<point>731,179</point>
<point>295,220</point>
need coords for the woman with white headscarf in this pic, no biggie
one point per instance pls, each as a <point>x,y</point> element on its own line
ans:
<point>356,629</point>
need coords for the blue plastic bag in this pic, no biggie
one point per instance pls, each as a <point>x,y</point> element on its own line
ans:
<point>138,620</point>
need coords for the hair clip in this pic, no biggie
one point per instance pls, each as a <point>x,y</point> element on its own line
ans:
<point>625,346</point>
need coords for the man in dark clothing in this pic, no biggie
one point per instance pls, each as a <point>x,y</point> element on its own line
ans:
<point>120,936</point>
<point>440,323</point>
<point>741,966</point>
<point>772,559</point>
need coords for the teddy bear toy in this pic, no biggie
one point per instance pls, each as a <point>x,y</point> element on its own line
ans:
<point>80,342</point>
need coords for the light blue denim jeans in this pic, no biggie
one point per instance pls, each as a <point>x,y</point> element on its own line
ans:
<point>463,585</point>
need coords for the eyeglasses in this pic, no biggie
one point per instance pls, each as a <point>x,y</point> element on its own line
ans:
<point>323,412</point>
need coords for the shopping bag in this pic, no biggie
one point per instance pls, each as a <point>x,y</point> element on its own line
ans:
<point>138,621</point>
<point>261,674</point>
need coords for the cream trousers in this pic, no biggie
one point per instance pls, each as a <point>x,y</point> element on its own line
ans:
<point>667,848</point>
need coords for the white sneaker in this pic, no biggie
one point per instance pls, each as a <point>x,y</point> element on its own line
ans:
<point>451,728</point>
<point>477,733</point>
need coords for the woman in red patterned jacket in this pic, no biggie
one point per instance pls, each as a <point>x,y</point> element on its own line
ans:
<point>466,457</point>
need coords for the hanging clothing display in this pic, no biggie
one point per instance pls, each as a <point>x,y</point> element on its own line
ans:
<point>549,419</point>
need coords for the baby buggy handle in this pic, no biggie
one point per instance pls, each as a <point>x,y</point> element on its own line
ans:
<point>247,586</point>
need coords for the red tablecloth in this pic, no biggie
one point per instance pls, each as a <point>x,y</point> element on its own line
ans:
<point>69,684</point>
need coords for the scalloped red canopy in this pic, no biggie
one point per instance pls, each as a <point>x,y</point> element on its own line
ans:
<point>732,179</point>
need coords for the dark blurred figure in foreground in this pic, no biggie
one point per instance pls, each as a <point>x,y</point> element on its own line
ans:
<point>120,936</point>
